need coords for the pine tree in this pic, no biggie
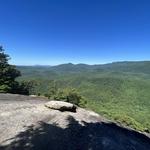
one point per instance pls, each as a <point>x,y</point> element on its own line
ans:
<point>8,74</point>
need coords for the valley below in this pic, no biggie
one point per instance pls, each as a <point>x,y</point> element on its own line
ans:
<point>118,91</point>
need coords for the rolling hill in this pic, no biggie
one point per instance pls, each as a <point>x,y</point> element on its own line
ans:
<point>117,90</point>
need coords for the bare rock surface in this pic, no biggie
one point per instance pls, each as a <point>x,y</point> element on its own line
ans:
<point>26,124</point>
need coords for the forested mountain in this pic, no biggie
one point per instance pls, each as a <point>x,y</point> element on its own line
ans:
<point>117,90</point>
<point>129,67</point>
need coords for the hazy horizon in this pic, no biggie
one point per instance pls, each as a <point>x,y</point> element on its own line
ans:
<point>49,65</point>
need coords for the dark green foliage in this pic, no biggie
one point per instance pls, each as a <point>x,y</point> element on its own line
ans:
<point>66,94</point>
<point>26,87</point>
<point>72,96</point>
<point>8,74</point>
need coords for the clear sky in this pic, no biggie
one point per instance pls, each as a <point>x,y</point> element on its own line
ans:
<point>79,31</point>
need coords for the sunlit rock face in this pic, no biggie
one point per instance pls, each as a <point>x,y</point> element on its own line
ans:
<point>60,105</point>
<point>27,123</point>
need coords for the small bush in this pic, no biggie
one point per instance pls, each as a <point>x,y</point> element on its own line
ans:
<point>67,95</point>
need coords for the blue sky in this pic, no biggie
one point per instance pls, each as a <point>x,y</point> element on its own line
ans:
<point>79,31</point>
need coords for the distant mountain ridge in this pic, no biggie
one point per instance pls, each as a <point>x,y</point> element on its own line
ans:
<point>125,66</point>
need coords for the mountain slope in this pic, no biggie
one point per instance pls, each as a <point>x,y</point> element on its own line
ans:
<point>118,90</point>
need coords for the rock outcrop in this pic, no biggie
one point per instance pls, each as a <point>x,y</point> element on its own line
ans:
<point>26,124</point>
<point>60,105</point>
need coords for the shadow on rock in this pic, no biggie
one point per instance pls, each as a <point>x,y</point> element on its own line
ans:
<point>90,136</point>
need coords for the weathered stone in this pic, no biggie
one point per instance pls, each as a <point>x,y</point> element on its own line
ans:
<point>60,105</point>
